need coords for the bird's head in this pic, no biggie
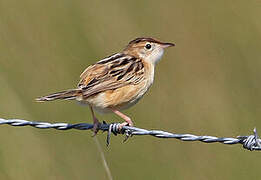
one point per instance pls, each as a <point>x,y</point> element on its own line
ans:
<point>148,49</point>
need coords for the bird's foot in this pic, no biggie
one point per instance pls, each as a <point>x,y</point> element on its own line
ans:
<point>96,128</point>
<point>125,124</point>
<point>127,133</point>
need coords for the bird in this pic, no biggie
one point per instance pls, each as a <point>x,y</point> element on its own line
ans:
<point>116,82</point>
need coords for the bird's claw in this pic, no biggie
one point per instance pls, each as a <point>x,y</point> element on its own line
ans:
<point>123,124</point>
<point>96,128</point>
<point>128,134</point>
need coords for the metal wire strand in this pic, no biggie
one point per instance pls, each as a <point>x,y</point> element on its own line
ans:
<point>251,142</point>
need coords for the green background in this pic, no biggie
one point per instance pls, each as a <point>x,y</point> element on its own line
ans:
<point>209,84</point>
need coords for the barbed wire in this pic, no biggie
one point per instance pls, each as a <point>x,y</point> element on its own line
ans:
<point>251,142</point>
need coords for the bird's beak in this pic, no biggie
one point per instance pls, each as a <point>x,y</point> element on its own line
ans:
<point>166,45</point>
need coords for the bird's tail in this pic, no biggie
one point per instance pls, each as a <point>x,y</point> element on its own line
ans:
<point>67,95</point>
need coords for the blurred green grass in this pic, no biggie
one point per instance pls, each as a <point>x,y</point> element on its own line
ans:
<point>208,84</point>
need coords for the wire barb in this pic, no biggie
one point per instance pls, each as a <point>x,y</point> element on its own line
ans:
<point>252,142</point>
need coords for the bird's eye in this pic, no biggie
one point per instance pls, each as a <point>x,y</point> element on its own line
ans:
<point>148,46</point>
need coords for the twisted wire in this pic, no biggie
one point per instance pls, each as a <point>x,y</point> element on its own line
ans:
<point>251,142</point>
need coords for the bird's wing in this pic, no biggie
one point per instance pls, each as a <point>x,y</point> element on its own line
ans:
<point>112,72</point>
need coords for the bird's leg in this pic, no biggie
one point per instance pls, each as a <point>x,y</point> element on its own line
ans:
<point>123,116</point>
<point>96,123</point>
